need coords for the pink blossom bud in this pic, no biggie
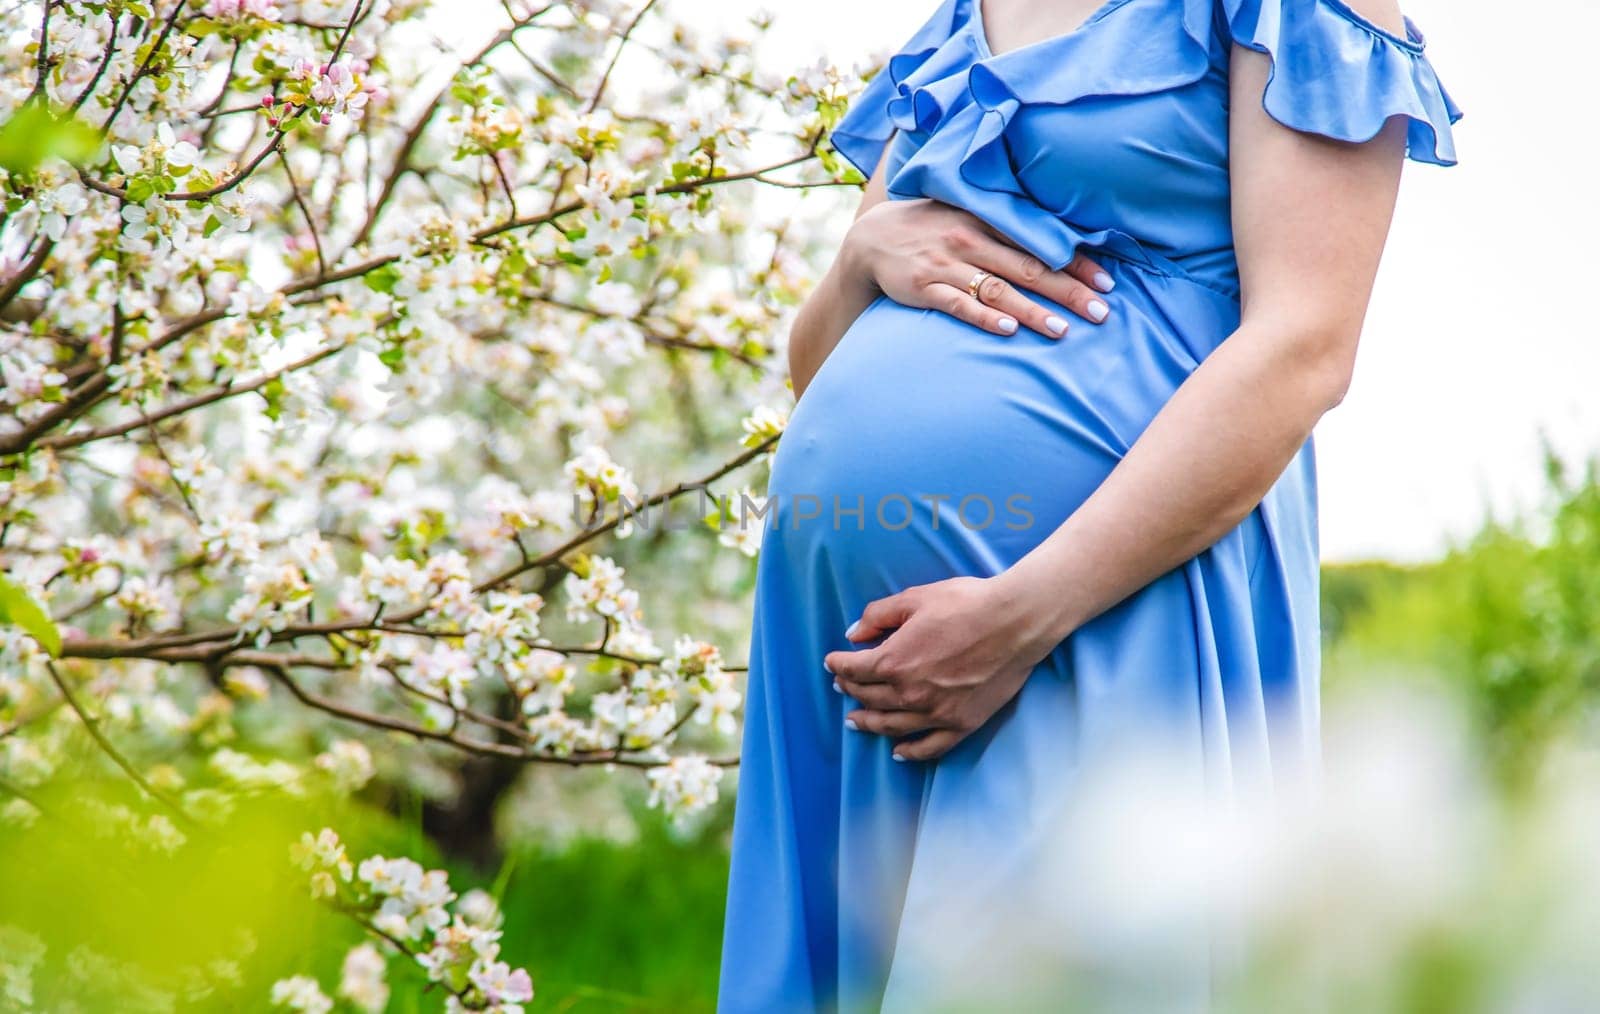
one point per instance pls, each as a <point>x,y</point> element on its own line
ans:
<point>272,121</point>
<point>327,118</point>
<point>89,555</point>
<point>267,101</point>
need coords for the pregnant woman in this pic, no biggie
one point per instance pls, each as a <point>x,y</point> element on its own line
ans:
<point>1049,490</point>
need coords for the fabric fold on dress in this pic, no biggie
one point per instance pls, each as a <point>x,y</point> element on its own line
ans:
<point>861,134</point>
<point>1335,73</point>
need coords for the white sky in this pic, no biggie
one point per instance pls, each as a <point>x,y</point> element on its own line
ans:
<point>1478,338</point>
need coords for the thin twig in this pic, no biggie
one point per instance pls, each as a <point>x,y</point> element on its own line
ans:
<point>105,744</point>
<point>606,526</point>
<point>622,44</point>
<point>44,54</point>
<point>17,725</point>
<point>25,273</point>
<point>311,223</point>
<point>144,66</point>
<point>24,795</point>
<point>231,389</point>
<point>172,470</point>
<point>99,71</point>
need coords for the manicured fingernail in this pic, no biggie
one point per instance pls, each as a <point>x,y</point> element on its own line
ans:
<point>1007,325</point>
<point>851,631</point>
<point>1055,324</point>
<point>1104,282</point>
<point>898,757</point>
<point>1098,310</point>
<point>850,724</point>
<point>826,667</point>
<point>837,687</point>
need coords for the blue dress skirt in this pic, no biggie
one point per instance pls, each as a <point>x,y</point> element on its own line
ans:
<point>926,448</point>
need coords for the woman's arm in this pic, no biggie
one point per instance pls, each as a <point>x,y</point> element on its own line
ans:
<point>1310,220</point>
<point>836,302</point>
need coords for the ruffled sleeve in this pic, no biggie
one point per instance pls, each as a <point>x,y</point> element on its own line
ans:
<point>1337,74</point>
<point>861,134</point>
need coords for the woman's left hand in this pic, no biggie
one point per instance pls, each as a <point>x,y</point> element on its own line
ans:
<point>956,652</point>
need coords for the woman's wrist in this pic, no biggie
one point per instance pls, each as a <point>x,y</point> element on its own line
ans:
<point>1034,591</point>
<point>853,267</point>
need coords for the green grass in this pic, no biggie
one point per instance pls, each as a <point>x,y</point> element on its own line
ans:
<point>603,926</point>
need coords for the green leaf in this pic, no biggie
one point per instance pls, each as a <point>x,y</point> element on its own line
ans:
<point>382,279</point>
<point>19,609</point>
<point>34,134</point>
<point>273,391</point>
<point>213,223</point>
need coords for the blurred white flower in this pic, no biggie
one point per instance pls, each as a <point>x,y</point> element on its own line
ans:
<point>361,979</point>
<point>684,785</point>
<point>348,763</point>
<point>301,993</point>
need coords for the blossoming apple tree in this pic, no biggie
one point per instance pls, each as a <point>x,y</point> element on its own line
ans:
<point>334,356</point>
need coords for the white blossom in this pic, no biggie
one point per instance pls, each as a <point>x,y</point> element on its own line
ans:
<point>301,993</point>
<point>348,763</point>
<point>684,785</point>
<point>361,979</point>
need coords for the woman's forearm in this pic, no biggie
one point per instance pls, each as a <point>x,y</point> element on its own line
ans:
<point>824,317</point>
<point>1205,461</point>
<point>1310,217</point>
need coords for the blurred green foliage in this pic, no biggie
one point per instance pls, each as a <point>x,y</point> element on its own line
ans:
<point>605,926</point>
<point>129,927</point>
<point>1510,620</point>
<point>131,921</point>
<point>36,133</point>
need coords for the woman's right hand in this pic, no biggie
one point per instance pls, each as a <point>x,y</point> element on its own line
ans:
<point>924,253</point>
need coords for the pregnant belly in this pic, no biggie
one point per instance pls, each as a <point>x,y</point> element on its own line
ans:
<point>928,447</point>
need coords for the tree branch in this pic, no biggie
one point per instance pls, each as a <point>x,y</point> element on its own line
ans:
<point>196,646</point>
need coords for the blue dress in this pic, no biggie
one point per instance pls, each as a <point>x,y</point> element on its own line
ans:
<point>919,428</point>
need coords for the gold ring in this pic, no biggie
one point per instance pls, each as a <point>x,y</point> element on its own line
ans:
<point>977,280</point>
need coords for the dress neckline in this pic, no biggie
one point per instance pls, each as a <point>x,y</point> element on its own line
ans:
<point>982,34</point>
